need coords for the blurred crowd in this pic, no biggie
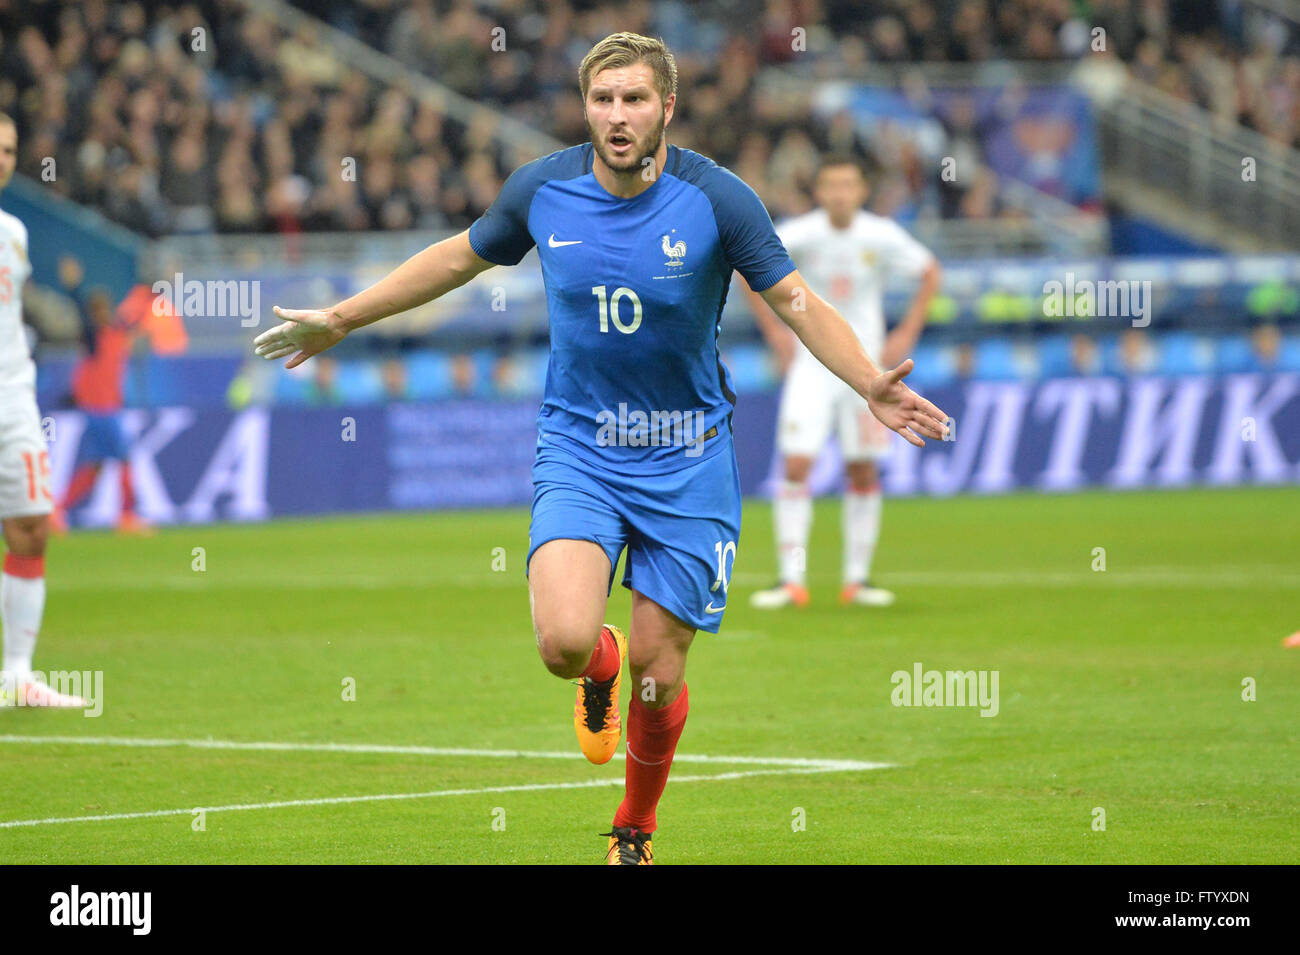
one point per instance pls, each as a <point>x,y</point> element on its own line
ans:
<point>204,116</point>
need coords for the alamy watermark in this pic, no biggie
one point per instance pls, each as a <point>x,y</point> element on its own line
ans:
<point>87,684</point>
<point>131,910</point>
<point>921,687</point>
<point>653,429</point>
<point>1086,298</point>
<point>212,298</point>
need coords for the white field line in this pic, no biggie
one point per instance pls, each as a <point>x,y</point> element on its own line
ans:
<point>778,766</point>
<point>388,797</point>
<point>792,762</point>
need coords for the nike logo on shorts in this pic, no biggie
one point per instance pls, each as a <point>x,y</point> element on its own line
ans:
<point>555,244</point>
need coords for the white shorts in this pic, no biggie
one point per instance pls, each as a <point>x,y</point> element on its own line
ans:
<point>24,459</point>
<point>813,402</point>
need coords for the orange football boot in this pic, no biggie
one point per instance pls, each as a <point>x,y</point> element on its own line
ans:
<point>596,714</point>
<point>629,847</point>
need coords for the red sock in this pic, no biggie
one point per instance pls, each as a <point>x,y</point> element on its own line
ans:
<point>605,660</point>
<point>128,490</point>
<point>652,737</point>
<point>82,481</point>
<point>32,568</point>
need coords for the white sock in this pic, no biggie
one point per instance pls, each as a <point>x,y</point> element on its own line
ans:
<point>861,531</point>
<point>22,601</point>
<point>793,522</point>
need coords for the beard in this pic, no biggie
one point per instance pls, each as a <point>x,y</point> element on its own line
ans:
<point>633,160</point>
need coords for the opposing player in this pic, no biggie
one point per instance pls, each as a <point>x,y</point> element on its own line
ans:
<point>637,241</point>
<point>109,336</point>
<point>25,499</point>
<point>847,254</point>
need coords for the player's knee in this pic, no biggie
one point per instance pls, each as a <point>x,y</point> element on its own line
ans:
<point>657,686</point>
<point>657,672</point>
<point>863,477</point>
<point>566,648</point>
<point>26,536</point>
<point>797,469</point>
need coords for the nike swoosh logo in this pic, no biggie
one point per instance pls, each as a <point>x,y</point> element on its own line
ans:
<point>712,609</point>
<point>555,245</point>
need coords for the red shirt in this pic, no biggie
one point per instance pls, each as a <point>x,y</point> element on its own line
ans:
<point>97,379</point>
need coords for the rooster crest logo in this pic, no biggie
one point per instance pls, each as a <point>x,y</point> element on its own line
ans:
<point>674,250</point>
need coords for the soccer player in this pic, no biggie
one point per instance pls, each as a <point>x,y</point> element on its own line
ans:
<point>637,241</point>
<point>25,500</point>
<point>97,390</point>
<point>847,253</point>
<point>109,335</point>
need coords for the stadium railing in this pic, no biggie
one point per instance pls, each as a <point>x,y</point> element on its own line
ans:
<point>1232,186</point>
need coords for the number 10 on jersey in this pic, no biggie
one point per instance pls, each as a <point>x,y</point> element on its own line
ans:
<point>609,309</point>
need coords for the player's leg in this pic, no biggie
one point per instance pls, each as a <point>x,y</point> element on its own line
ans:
<point>22,594</point>
<point>119,449</point>
<point>568,583</point>
<point>25,503</point>
<point>83,481</point>
<point>100,442</point>
<point>659,642</point>
<point>792,523</point>
<point>803,425</point>
<point>681,551</point>
<point>575,539</point>
<point>865,441</point>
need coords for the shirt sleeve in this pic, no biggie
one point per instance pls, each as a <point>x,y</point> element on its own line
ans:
<point>749,240</point>
<point>791,235</point>
<point>903,254</point>
<point>500,235</point>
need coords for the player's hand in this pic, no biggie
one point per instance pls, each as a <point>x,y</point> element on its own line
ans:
<point>901,409</point>
<point>305,331</point>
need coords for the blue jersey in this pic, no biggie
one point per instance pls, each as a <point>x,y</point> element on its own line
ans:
<point>635,290</point>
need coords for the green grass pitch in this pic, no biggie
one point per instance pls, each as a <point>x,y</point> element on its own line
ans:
<point>1120,690</point>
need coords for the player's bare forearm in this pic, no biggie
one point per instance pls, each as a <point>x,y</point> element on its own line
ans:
<point>779,338</point>
<point>423,277</point>
<point>823,330</point>
<point>833,342</point>
<point>764,319</point>
<point>427,275</point>
<point>902,340</point>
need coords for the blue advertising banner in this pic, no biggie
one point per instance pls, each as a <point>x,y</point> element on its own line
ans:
<point>1062,434</point>
<point>1055,435</point>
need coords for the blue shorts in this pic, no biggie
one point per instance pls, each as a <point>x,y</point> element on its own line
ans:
<point>680,528</point>
<point>104,439</point>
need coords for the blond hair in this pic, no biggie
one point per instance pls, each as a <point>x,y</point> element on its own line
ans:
<point>624,49</point>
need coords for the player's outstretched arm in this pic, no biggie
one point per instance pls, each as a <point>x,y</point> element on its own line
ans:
<point>832,341</point>
<point>443,266</point>
<point>779,338</point>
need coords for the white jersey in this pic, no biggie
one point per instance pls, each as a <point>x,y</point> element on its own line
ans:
<point>17,370</point>
<point>850,267</point>
<point>24,461</point>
